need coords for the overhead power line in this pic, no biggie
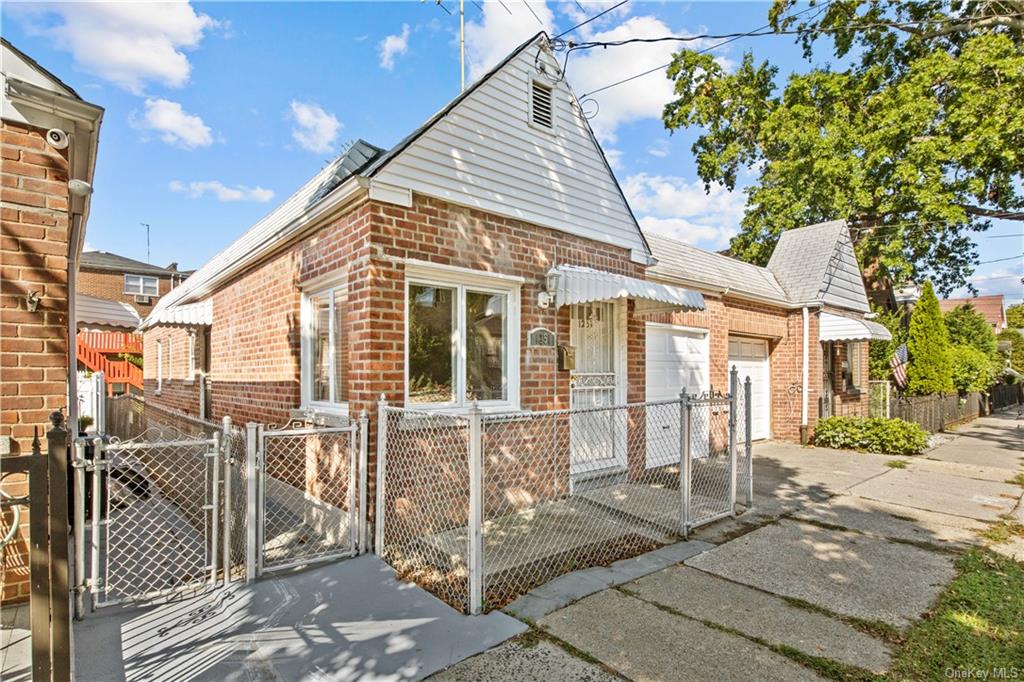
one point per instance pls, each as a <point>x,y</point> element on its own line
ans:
<point>533,13</point>
<point>596,16</point>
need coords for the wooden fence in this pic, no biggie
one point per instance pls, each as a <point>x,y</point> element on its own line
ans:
<point>939,412</point>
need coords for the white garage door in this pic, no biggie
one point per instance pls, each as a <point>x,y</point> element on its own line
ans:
<point>677,358</point>
<point>750,357</point>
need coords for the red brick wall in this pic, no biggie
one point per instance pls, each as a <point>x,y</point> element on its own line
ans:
<point>179,389</point>
<point>33,345</point>
<point>110,286</point>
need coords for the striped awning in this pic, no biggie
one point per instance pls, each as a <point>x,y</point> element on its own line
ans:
<point>100,312</point>
<point>841,328</point>
<point>572,284</point>
<point>189,315</point>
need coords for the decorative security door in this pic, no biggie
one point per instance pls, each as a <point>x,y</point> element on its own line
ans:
<point>597,443</point>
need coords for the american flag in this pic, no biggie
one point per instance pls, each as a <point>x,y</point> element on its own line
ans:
<point>899,366</point>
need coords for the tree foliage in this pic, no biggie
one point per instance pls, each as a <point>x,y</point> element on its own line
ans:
<point>928,371</point>
<point>1016,341</point>
<point>972,370</point>
<point>1015,316</point>
<point>967,327</point>
<point>915,134</point>
<point>880,352</point>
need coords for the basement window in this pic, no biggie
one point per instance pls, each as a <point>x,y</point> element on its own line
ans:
<point>542,105</point>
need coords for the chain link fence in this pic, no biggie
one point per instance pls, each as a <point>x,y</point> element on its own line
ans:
<point>480,509</point>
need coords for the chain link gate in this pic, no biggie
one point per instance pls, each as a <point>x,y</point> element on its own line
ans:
<point>153,506</point>
<point>308,505</point>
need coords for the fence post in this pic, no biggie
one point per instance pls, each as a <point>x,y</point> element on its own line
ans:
<point>98,493</point>
<point>685,415</point>
<point>60,590</point>
<point>364,437</point>
<point>747,441</point>
<point>39,570</point>
<point>79,527</point>
<point>251,472</point>
<point>734,387</point>
<point>229,462</point>
<point>888,400</point>
<point>382,458</point>
<point>214,506</point>
<point>476,559</point>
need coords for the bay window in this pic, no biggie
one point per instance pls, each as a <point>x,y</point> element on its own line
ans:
<point>325,349</point>
<point>462,332</point>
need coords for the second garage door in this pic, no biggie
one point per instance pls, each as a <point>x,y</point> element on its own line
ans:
<point>750,357</point>
<point>677,358</point>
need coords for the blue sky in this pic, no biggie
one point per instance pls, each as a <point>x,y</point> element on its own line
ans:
<point>215,112</point>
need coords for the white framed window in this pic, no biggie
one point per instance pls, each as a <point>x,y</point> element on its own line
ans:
<point>159,366</point>
<point>141,285</point>
<point>325,349</point>
<point>191,356</point>
<point>853,366</point>
<point>461,338</point>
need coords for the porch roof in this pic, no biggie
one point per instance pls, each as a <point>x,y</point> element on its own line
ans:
<point>571,284</point>
<point>100,311</point>
<point>840,328</point>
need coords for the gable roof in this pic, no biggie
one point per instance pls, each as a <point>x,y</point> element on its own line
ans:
<point>696,267</point>
<point>104,260</point>
<point>43,71</point>
<point>364,161</point>
<point>817,264</point>
<point>990,306</point>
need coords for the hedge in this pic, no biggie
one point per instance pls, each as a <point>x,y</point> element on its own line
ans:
<point>886,436</point>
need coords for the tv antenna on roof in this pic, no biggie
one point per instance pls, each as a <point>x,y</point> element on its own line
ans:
<point>146,225</point>
<point>462,38</point>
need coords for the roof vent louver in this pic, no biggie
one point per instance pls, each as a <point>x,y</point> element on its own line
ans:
<point>541,106</point>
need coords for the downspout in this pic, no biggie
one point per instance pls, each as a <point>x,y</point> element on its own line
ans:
<point>804,377</point>
<point>74,247</point>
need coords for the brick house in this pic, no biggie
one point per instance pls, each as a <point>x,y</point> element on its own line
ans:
<point>755,319</point>
<point>991,306</point>
<point>48,139</point>
<point>490,236</point>
<point>115,278</point>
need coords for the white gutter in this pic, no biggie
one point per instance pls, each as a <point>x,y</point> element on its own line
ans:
<point>805,378</point>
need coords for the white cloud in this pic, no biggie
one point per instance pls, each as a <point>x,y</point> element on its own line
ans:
<point>174,125</point>
<point>128,43</point>
<point>315,130</point>
<point>680,209</point>
<point>644,97</point>
<point>393,46</point>
<point>592,8</point>
<point>614,157</point>
<point>660,148</point>
<point>1001,280</point>
<point>221,191</point>
<point>500,31</point>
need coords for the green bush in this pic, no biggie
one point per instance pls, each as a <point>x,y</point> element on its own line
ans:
<point>928,372</point>
<point>972,370</point>
<point>886,436</point>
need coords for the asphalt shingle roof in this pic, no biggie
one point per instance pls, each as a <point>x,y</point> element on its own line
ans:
<point>800,259</point>
<point>104,260</point>
<point>682,262</point>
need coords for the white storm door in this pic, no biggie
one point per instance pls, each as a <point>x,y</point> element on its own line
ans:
<point>750,358</point>
<point>677,358</point>
<point>595,443</point>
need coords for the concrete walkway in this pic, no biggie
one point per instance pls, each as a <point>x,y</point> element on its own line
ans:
<point>841,549</point>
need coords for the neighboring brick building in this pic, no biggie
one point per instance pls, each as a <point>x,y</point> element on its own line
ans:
<point>48,138</point>
<point>116,278</point>
<point>992,307</point>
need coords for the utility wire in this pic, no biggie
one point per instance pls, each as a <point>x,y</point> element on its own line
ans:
<point>533,13</point>
<point>596,16</point>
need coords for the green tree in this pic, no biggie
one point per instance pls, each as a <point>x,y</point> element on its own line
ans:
<point>972,370</point>
<point>928,347</point>
<point>968,327</point>
<point>913,132</point>
<point>1016,341</point>
<point>1015,316</point>
<point>880,352</point>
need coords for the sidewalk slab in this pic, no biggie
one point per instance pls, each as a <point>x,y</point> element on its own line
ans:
<point>571,587</point>
<point>15,643</point>
<point>993,441</point>
<point>983,500</point>
<point>761,615</point>
<point>537,662</point>
<point>842,571</point>
<point>644,642</point>
<point>962,469</point>
<point>893,521</point>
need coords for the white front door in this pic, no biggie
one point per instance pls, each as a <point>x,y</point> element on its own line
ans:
<point>596,443</point>
<point>750,357</point>
<point>677,359</point>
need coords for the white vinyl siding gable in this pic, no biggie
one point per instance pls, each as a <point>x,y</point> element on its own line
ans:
<point>489,152</point>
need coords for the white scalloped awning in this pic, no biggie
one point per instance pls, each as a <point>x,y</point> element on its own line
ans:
<point>190,315</point>
<point>571,284</point>
<point>840,328</point>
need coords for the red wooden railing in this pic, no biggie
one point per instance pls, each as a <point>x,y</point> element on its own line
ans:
<point>112,342</point>
<point>114,370</point>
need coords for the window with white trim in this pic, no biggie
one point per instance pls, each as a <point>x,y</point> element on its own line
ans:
<point>191,355</point>
<point>159,366</point>
<point>462,332</point>
<point>141,285</point>
<point>325,349</point>
<point>853,366</point>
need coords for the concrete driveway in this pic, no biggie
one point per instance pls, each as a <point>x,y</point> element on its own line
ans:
<point>841,553</point>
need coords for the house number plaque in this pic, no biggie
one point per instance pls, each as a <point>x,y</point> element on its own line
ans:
<point>539,337</point>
